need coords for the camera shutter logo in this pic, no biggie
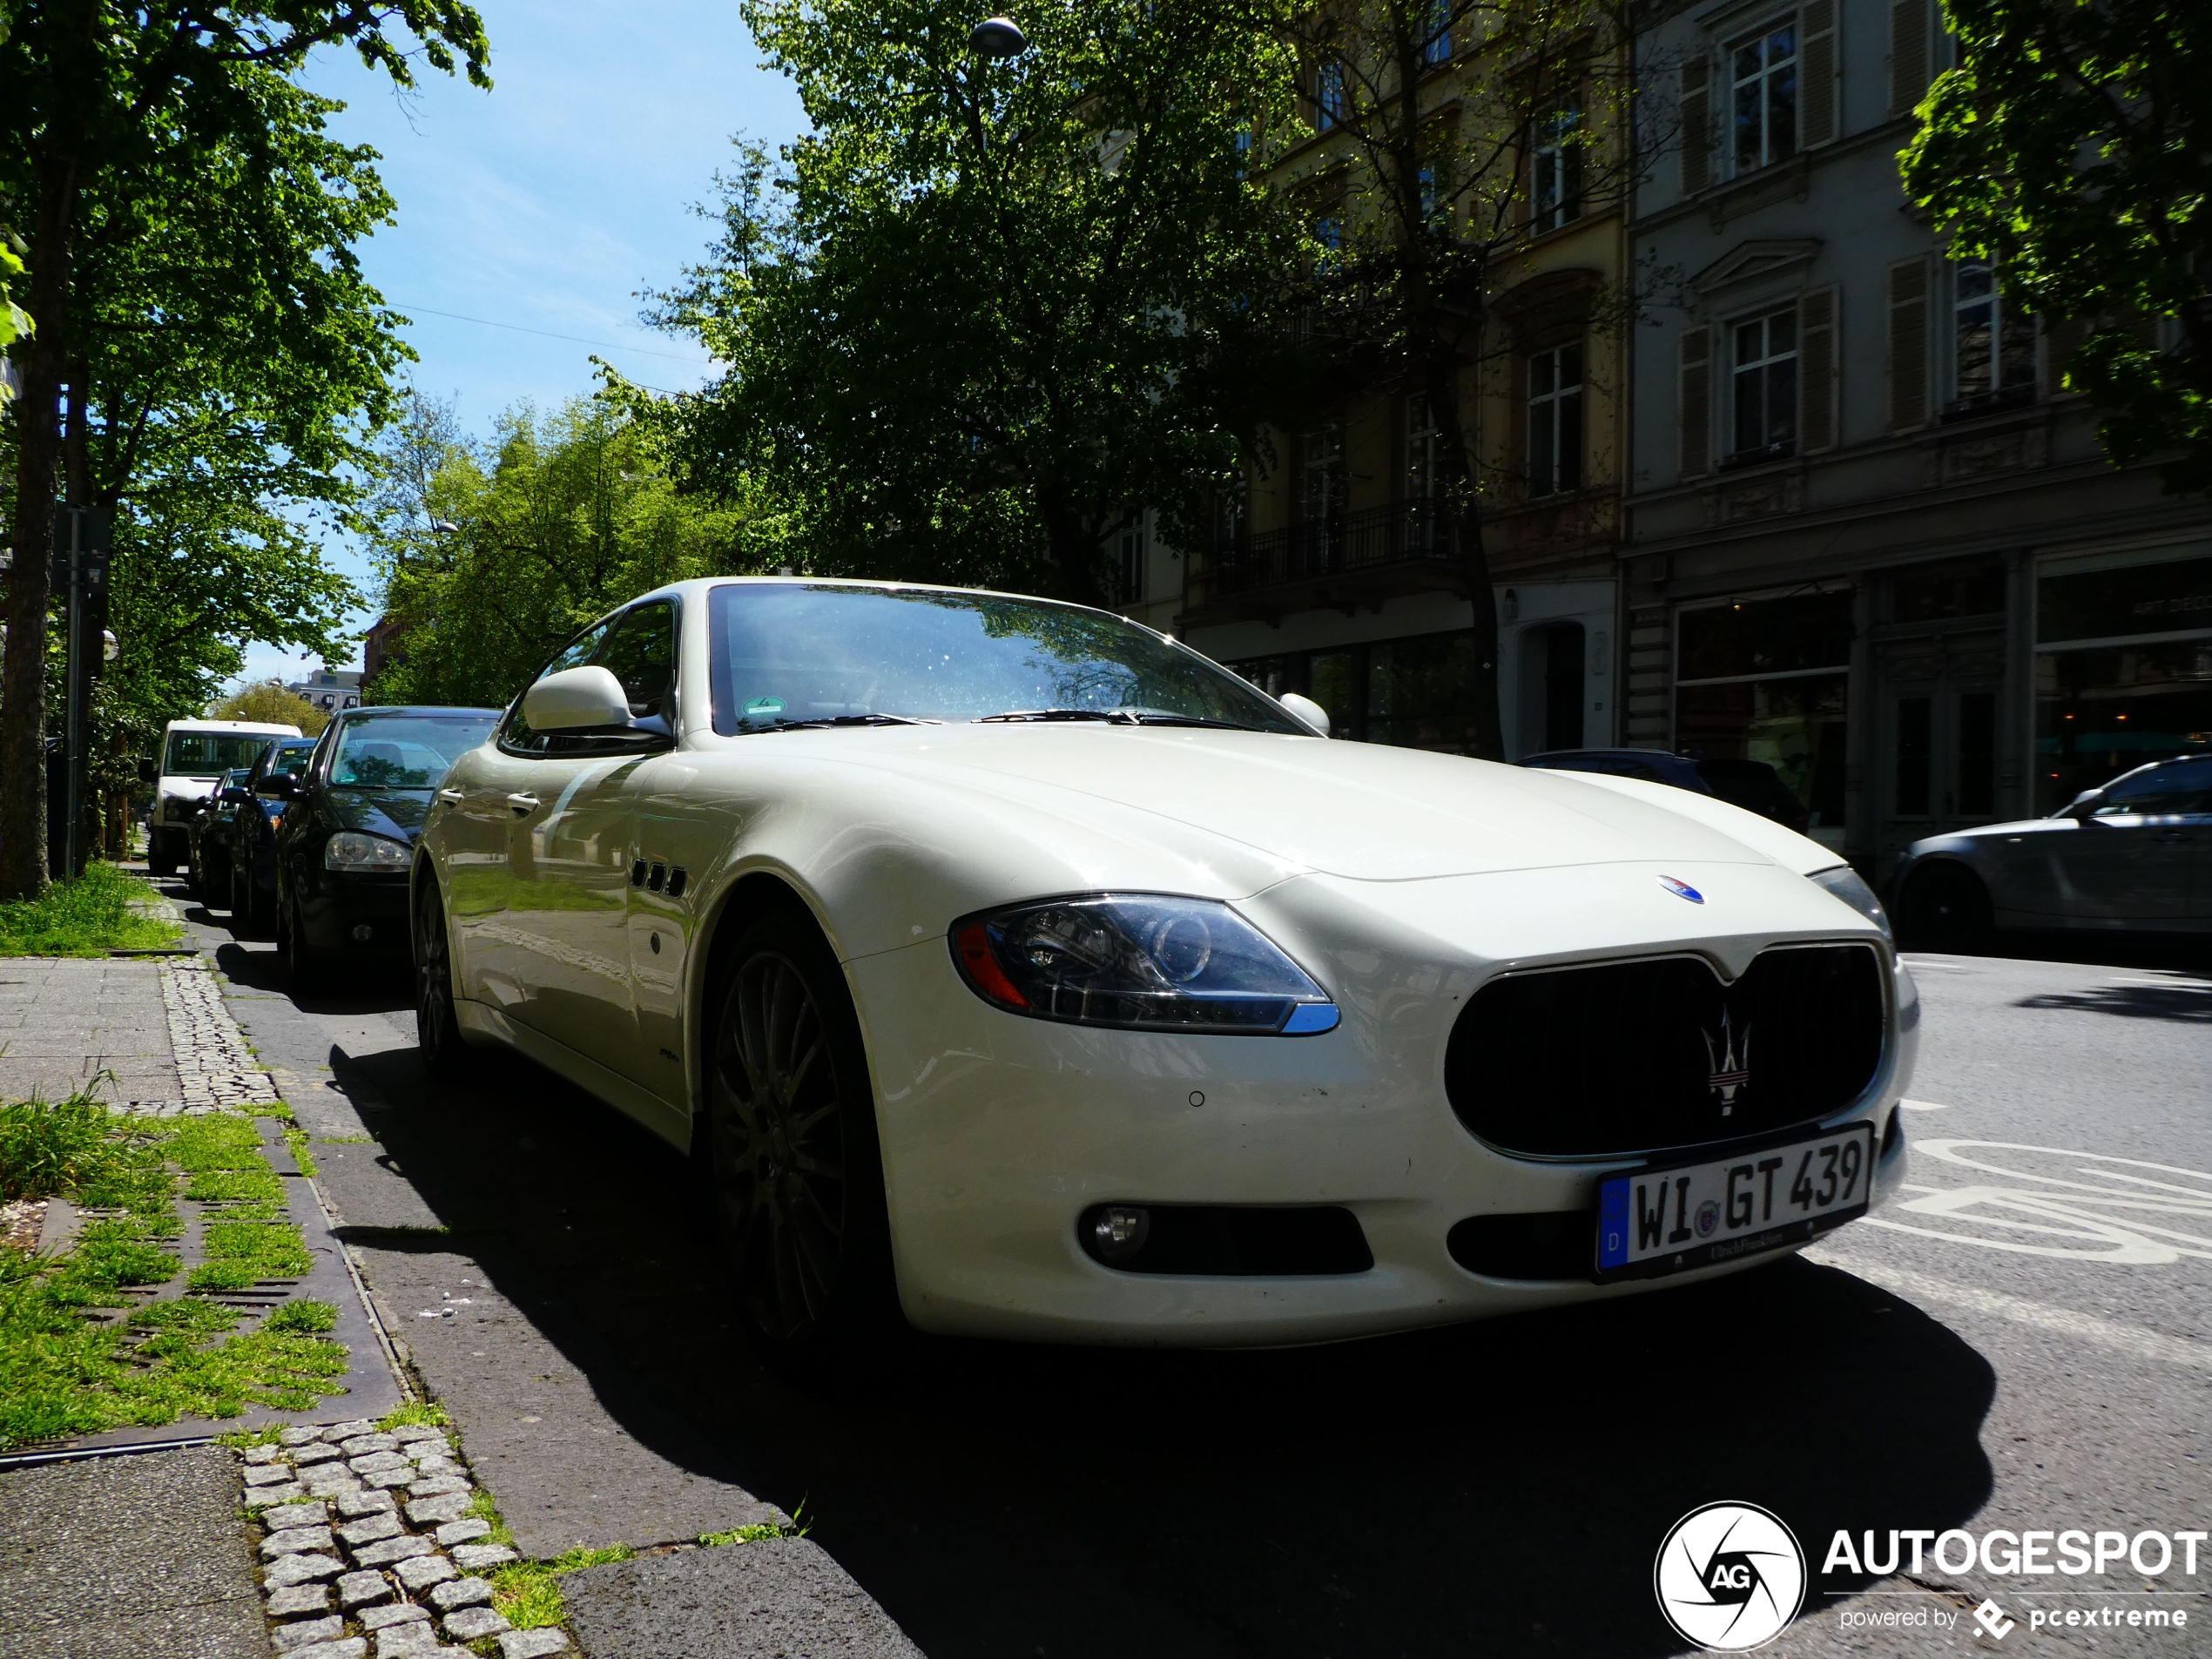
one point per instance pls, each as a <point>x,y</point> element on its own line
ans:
<point>1730,1577</point>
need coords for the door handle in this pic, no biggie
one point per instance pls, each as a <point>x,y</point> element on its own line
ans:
<point>451,794</point>
<point>523,801</point>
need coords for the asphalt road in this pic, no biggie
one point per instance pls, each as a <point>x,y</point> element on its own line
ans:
<point>2025,1344</point>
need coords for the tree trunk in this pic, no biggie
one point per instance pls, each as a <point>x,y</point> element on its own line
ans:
<point>22,692</point>
<point>1073,550</point>
<point>1457,487</point>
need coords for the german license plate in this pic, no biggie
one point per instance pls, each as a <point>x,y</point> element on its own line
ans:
<point>1672,1218</point>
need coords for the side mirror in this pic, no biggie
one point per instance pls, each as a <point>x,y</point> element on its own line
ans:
<point>235,795</point>
<point>276,786</point>
<point>577,699</point>
<point>2083,806</point>
<point>1308,710</point>
<point>149,771</point>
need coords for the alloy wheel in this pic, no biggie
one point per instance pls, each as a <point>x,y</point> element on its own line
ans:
<point>779,1155</point>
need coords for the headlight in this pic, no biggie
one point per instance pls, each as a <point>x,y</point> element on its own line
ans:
<point>353,850</point>
<point>1844,883</point>
<point>1140,962</point>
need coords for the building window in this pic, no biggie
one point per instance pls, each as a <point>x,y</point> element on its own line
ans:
<point>1133,564</point>
<point>1436,45</point>
<point>1764,386</point>
<point>1425,530</point>
<point>1763,78</point>
<point>1332,101</point>
<point>1412,692</point>
<point>1321,492</point>
<point>1769,680</point>
<point>1556,421</point>
<point>1994,345</point>
<point>1328,232</point>
<point>1555,169</point>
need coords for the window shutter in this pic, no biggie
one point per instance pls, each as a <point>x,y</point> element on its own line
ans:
<point>1817,360</point>
<point>1697,125</point>
<point>1696,409</point>
<point>1818,119</point>
<point>1908,55</point>
<point>1908,355</point>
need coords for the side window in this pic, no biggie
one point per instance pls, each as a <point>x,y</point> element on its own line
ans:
<point>514,735</point>
<point>640,651</point>
<point>2182,788</point>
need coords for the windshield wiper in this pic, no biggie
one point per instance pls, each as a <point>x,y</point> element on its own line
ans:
<point>782,724</point>
<point>1114,716</point>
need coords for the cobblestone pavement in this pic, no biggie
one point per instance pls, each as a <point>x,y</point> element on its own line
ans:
<point>377,1538</point>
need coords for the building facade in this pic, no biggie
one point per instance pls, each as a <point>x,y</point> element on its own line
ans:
<point>1333,572</point>
<point>1870,538</point>
<point>333,689</point>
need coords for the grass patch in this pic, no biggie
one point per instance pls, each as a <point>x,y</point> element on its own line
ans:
<point>87,917</point>
<point>761,1530</point>
<point>428,1413</point>
<point>528,1593</point>
<point>297,1140</point>
<point>82,1349</point>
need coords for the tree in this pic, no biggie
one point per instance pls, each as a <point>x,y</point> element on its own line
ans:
<point>557,523</point>
<point>1412,243</point>
<point>97,100</point>
<point>993,309</point>
<point>271,703</point>
<point>2071,149</point>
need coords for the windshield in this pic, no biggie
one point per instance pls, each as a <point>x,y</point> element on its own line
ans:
<point>404,750</point>
<point>210,754</point>
<point>787,653</point>
<point>291,758</point>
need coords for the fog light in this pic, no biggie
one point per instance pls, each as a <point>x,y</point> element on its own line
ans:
<point>1117,1232</point>
<point>362,933</point>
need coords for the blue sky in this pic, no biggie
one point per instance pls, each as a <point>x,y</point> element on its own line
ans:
<point>550,202</point>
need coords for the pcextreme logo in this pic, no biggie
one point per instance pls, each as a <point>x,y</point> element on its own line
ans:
<point>1730,1577</point>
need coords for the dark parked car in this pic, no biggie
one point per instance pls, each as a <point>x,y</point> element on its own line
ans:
<point>347,835</point>
<point>1752,785</point>
<point>249,890</point>
<point>207,859</point>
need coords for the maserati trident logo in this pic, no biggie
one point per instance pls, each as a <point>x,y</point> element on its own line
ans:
<point>1729,1055</point>
<point>1682,889</point>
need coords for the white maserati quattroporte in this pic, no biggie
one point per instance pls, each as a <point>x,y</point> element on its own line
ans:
<point>1017,960</point>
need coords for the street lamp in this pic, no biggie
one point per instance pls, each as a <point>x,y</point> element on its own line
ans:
<point>999,37</point>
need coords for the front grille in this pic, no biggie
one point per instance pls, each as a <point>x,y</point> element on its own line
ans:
<point>1637,1056</point>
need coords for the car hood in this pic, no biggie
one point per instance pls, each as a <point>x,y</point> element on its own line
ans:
<point>1362,811</point>
<point>396,813</point>
<point>1995,832</point>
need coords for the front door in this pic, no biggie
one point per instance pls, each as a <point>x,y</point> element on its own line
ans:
<point>2135,856</point>
<point>1939,714</point>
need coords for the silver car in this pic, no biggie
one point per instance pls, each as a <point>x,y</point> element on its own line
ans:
<point>2136,854</point>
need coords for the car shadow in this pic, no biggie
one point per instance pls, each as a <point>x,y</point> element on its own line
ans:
<point>1500,1487</point>
<point>2191,1004</point>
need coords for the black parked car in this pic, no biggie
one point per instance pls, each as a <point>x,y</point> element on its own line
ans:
<point>348,834</point>
<point>249,888</point>
<point>207,859</point>
<point>1752,785</point>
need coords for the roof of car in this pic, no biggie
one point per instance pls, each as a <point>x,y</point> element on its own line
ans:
<point>431,709</point>
<point>1624,754</point>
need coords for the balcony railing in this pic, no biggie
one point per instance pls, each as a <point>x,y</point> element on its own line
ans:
<point>1354,544</point>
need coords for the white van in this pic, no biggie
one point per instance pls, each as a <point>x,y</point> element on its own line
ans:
<point>194,753</point>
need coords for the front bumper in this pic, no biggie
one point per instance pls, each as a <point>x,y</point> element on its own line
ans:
<point>998,1132</point>
<point>342,903</point>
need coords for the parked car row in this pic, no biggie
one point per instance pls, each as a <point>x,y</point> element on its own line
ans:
<point>314,838</point>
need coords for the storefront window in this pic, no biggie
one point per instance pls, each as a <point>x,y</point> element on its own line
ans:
<point>1795,725</point>
<point>2104,708</point>
<point>1417,692</point>
<point>2103,711</point>
<point>1768,679</point>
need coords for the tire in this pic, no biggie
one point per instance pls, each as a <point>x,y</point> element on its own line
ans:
<point>1947,908</point>
<point>446,1056</point>
<point>241,901</point>
<point>161,856</point>
<point>792,1157</point>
